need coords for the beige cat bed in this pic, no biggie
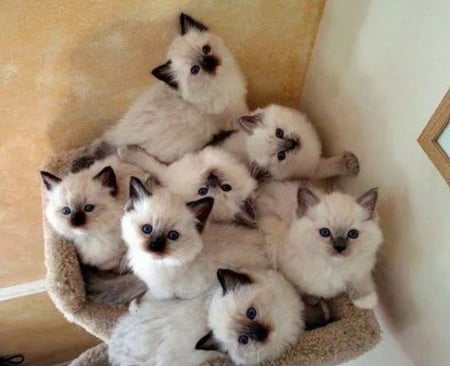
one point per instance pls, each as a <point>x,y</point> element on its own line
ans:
<point>352,332</point>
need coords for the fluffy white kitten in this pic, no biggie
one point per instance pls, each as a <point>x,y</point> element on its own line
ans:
<point>210,172</point>
<point>86,207</point>
<point>282,142</point>
<point>173,252</point>
<point>202,91</point>
<point>331,246</point>
<point>251,317</point>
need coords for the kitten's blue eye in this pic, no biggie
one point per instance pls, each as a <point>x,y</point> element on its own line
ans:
<point>325,232</point>
<point>279,133</point>
<point>195,69</point>
<point>281,155</point>
<point>89,208</point>
<point>173,235</point>
<point>226,187</point>
<point>147,229</point>
<point>353,234</point>
<point>203,191</point>
<point>206,49</point>
<point>243,339</point>
<point>66,211</point>
<point>251,313</point>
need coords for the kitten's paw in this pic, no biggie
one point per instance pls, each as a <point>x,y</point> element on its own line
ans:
<point>367,302</point>
<point>128,153</point>
<point>350,163</point>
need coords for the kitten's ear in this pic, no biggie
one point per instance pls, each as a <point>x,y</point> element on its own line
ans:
<point>137,190</point>
<point>208,343</point>
<point>49,180</point>
<point>187,23</point>
<point>259,173</point>
<point>305,200</point>
<point>107,178</point>
<point>247,214</point>
<point>230,280</point>
<point>368,201</point>
<point>201,209</point>
<point>250,122</point>
<point>164,73</point>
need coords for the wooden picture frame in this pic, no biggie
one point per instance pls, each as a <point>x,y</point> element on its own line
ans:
<point>433,141</point>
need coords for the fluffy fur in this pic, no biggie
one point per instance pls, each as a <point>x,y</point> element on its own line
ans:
<point>184,267</point>
<point>211,172</point>
<point>86,207</point>
<point>183,112</point>
<point>175,332</point>
<point>284,143</point>
<point>332,244</point>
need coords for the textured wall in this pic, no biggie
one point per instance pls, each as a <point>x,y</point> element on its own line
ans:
<point>68,68</point>
<point>379,70</point>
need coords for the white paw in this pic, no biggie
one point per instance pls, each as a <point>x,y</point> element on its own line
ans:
<point>367,302</point>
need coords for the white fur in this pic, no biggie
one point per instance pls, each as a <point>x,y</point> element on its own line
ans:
<point>170,122</point>
<point>164,333</point>
<point>188,174</point>
<point>188,268</point>
<point>99,241</point>
<point>309,261</point>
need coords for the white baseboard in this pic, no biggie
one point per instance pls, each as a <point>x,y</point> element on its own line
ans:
<point>28,288</point>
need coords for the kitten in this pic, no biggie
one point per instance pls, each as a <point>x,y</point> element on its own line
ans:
<point>202,90</point>
<point>86,207</point>
<point>210,172</point>
<point>332,244</point>
<point>282,142</point>
<point>173,252</point>
<point>251,317</point>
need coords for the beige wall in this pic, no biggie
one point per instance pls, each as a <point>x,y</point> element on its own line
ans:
<point>379,70</point>
<point>69,68</point>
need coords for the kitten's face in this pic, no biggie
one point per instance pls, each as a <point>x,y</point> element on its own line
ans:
<point>337,225</point>
<point>81,202</point>
<point>162,226</point>
<point>201,68</point>
<point>253,318</point>
<point>221,176</point>
<point>282,141</point>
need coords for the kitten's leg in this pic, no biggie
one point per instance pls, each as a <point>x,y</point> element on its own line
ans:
<point>345,164</point>
<point>134,154</point>
<point>363,293</point>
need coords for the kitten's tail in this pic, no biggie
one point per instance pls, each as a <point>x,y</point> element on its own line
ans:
<point>113,291</point>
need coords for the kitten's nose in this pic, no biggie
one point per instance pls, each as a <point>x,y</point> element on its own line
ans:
<point>259,333</point>
<point>209,63</point>
<point>339,244</point>
<point>213,180</point>
<point>78,218</point>
<point>289,144</point>
<point>157,244</point>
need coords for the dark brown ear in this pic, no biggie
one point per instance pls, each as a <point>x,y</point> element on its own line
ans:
<point>107,178</point>
<point>250,122</point>
<point>201,209</point>
<point>49,180</point>
<point>230,280</point>
<point>137,190</point>
<point>305,200</point>
<point>208,343</point>
<point>187,23</point>
<point>164,73</point>
<point>368,201</point>
<point>247,214</point>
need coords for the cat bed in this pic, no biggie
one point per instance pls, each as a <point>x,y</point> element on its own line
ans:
<point>353,331</point>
